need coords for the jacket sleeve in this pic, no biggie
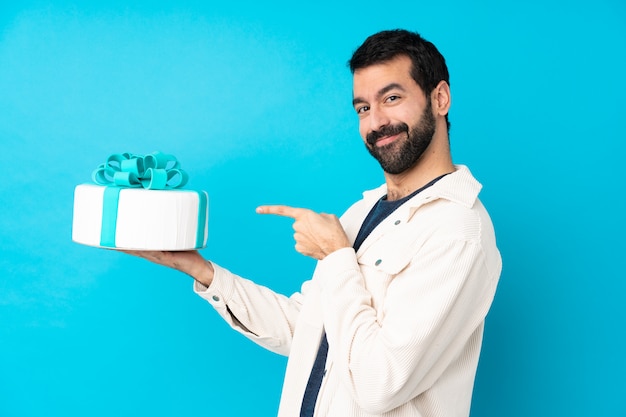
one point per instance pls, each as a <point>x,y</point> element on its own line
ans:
<point>390,353</point>
<point>260,314</point>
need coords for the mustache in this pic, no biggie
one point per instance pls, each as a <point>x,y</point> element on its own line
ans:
<point>388,130</point>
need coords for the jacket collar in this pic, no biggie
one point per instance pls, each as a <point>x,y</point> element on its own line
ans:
<point>459,187</point>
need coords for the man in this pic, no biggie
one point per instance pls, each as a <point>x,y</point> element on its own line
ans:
<point>391,322</point>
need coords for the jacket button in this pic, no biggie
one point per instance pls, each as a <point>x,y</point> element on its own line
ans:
<point>397,222</point>
<point>378,262</point>
<point>215,298</point>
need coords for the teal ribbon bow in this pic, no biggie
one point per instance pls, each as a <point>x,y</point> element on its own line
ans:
<point>155,171</point>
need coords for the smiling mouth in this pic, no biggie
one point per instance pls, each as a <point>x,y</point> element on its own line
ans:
<point>386,135</point>
<point>386,140</point>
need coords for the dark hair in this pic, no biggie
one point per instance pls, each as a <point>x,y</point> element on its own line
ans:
<point>429,66</point>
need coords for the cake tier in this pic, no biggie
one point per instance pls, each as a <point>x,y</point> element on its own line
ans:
<point>139,219</point>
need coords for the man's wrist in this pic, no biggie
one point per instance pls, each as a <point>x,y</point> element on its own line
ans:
<point>204,275</point>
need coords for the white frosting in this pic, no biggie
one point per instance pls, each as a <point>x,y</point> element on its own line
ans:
<point>146,219</point>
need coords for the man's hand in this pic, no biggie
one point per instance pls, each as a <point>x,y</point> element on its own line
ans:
<point>189,262</point>
<point>316,234</point>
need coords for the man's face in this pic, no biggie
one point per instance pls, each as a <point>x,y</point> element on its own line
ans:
<point>395,118</point>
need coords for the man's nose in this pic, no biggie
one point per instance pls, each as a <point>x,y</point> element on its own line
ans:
<point>377,118</point>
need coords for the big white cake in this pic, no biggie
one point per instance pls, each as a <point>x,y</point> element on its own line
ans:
<point>140,219</point>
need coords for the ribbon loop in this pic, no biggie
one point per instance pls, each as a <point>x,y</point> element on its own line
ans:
<point>177,178</point>
<point>126,179</point>
<point>155,171</point>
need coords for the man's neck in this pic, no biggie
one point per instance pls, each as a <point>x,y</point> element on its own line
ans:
<point>435,162</point>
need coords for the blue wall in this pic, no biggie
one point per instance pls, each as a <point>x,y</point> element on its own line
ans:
<point>255,102</point>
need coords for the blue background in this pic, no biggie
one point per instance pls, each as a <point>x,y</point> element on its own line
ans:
<point>254,100</point>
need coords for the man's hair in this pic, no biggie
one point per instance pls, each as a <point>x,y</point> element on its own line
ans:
<point>429,66</point>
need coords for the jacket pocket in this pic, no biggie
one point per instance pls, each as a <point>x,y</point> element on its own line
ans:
<point>389,258</point>
<point>391,251</point>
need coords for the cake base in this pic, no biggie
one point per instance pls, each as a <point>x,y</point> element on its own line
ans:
<point>138,219</point>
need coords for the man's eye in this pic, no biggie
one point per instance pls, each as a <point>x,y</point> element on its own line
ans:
<point>392,98</point>
<point>362,109</point>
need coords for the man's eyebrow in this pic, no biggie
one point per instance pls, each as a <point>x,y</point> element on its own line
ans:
<point>380,93</point>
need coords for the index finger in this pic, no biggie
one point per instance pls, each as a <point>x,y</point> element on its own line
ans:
<point>281,210</point>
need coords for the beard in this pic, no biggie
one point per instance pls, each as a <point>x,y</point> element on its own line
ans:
<point>403,153</point>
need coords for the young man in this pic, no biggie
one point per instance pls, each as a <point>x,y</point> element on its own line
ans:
<point>391,322</point>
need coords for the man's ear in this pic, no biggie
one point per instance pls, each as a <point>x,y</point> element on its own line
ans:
<point>441,99</point>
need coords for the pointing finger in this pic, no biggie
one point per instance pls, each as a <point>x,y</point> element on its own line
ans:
<point>280,210</point>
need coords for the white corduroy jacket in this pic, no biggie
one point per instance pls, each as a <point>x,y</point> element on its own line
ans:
<point>404,316</point>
